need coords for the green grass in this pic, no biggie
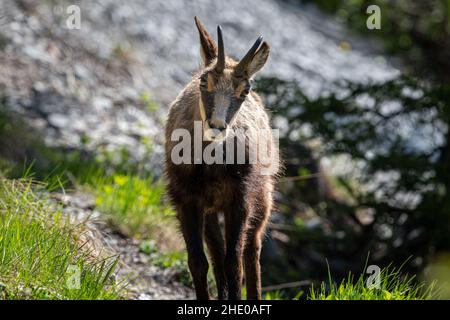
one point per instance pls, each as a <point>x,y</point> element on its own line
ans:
<point>393,286</point>
<point>39,247</point>
<point>135,206</point>
<point>281,295</point>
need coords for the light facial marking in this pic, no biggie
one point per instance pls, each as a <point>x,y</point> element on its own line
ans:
<point>221,89</point>
<point>221,105</point>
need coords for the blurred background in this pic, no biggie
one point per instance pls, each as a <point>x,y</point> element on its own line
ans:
<point>364,118</point>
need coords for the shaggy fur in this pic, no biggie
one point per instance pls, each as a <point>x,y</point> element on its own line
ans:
<point>200,192</point>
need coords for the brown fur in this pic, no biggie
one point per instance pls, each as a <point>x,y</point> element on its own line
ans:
<point>200,192</point>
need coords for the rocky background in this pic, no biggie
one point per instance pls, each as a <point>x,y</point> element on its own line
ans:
<point>89,86</point>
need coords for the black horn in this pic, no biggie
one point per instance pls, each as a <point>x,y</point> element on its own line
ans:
<point>240,68</point>
<point>220,66</point>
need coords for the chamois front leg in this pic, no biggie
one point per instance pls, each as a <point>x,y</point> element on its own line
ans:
<point>192,227</point>
<point>235,219</point>
<point>252,254</point>
<point>216,247</point>
<point>252,250</point>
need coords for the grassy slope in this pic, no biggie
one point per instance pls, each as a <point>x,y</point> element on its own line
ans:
<point>40,250</point>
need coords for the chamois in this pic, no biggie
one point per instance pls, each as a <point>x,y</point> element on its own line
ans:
<point>220,99</point>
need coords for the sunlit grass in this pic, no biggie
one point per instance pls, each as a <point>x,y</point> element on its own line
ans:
<point>136,207</point>
<point>38,245</point>
<point>393,286</point>
<point>281,295</point>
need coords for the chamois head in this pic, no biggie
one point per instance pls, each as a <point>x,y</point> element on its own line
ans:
<point>225,83</point>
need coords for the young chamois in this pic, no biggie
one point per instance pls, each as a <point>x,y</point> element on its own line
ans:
<point>219,98</point>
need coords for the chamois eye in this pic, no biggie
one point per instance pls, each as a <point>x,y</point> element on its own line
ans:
<point>246,90</point>
<point>204,82</point>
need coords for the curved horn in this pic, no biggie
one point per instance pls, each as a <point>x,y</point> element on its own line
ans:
<point>220,66</point>
<point>240,68</point>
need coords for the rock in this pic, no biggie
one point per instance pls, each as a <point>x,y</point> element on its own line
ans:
<point>101,103</point>
<point>144,296</point>
<point>59,120</point>
<point>81,72</point>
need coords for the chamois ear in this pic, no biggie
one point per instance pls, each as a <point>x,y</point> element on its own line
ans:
<point>259,59</point>
<point>208,48</point>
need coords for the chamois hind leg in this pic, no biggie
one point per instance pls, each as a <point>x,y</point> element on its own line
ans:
<point>216,248</point>
<point>252,247</point>
<point>192,227</point>
<point>235,220</point>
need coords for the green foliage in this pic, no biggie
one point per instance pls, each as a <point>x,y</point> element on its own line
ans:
<point>421,38</point>
<point>397,130</point>
<point>37,246</point>
<point>281,295</point>
<point>274,295</point>
<point>394,135</point>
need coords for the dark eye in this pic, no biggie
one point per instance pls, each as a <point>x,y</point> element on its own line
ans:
<point>204,82</point>
<point>246,90</point>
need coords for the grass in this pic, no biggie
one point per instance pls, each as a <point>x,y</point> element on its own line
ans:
<point>39,249</point>
<point>281,295</point>
<point>393,286</point>
<point>136,207</point>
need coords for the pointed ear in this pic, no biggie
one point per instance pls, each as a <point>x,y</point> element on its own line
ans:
<point>258,60</point>
<point>208,48</point>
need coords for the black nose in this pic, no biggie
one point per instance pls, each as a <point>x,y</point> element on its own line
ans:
<point>217,126</point>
